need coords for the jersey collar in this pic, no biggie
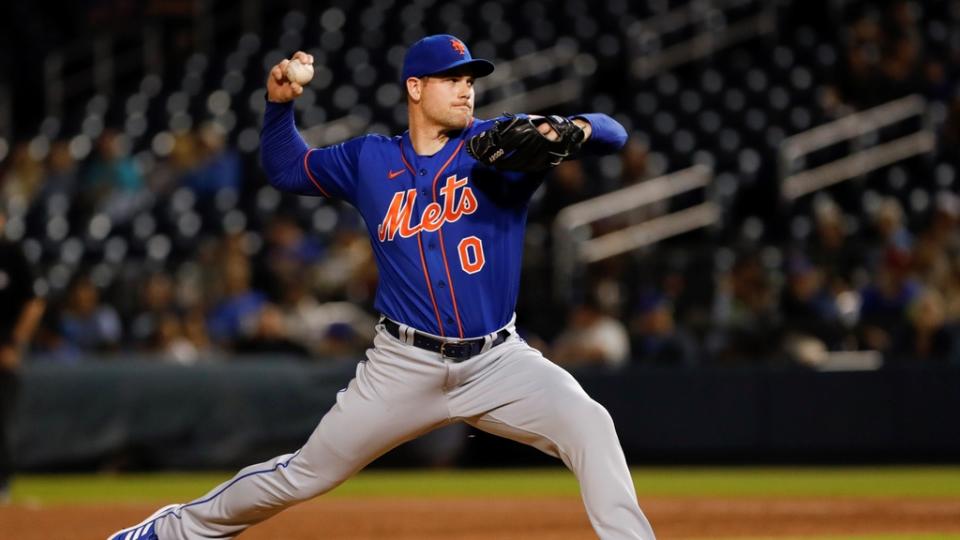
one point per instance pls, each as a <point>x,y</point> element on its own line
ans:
<point>408,143</point>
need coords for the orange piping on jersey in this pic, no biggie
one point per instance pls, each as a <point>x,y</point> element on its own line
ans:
<point>426,277</point>
<point>423,260</point>
<point>453,295</point>
<point>306,166</point>
<point>443,250</point>
<point>404,160</point>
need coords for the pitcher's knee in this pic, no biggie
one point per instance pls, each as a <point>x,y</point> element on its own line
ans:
<point>587,418</point>
<point>595,412</point>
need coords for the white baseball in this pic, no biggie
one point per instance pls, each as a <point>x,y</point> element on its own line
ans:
<point>298,72</point>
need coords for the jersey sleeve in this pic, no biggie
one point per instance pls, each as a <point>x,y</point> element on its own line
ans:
<point>607,135</point>
<point>293,166</point>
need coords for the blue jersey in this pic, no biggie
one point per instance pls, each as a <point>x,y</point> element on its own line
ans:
<point>447,232</point>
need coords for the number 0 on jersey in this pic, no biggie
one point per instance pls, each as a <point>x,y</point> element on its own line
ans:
<point>471,254</point>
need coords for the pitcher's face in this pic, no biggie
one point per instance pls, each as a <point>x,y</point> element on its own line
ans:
<point>447,99</point>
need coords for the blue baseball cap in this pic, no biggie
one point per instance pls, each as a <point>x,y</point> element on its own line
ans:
<point>439,53</point>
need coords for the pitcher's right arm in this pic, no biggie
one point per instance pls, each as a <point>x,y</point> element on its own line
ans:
<point>290,163</point>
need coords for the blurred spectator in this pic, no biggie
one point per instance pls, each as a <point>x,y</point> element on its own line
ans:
<point>809,307</point>
<point>163,327</point>
<point>890,230</point>
<point>951,292</point>
<point>831,101</point>
<point>347,270</point>
<point>746,321</point>
<point>287,239</point>
<point>607,287</point>
<point>655,337</point>
<point>882,57</point>
<point>20,311</point>
<point>87,323</point>
<point>900,69</point>
<point>193,325</point>
<point>330,329</point>
<point>62,171</point>
<point>831,249</point>
<point>23,177</point>
<point>199,281</point>
<point>270,336</point>
<point>886,299</point>
<point>928,336</point>
<point>171,170</point>
<point>113,183</point>
<point>170,342</point>
<point>634,159</point>
<point>944,229</point>
<point>592,338</point>
<point>938,85</point>
<point>231,246</point>
<point>218,167</point>
<point>50,344</point>
<point>858,76</point>
<point>939,244</point>
<point>237,313</point>
<point>931,257</point>
<point>634,162</point>
<point>289,250</point>
<point>156,302</point>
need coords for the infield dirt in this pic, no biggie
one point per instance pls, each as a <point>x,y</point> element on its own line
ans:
<point>524,518</point>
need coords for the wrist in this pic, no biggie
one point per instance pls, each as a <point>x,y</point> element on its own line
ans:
<point>268,99</point>
<point>585,126</point>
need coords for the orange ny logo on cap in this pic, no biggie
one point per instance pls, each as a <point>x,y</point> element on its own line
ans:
<point>458,46</point>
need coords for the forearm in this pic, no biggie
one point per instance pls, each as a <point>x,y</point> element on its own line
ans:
<point>605,135</point>
<point>282,150</point>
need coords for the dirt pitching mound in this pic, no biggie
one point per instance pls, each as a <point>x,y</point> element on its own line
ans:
<point>522,518</point>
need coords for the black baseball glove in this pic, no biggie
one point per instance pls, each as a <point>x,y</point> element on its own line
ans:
<point>515,144</point>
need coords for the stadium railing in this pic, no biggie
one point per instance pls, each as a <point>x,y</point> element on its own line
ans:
<point>861,130</point>
<point>574,245</point>
<point>706,27</point>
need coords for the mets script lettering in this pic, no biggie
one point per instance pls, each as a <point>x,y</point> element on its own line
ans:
<point>400,212</point>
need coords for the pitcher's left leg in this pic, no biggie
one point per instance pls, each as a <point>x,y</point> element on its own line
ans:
<point>527,398</point>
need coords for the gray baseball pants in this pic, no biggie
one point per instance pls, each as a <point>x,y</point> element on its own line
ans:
<point>401,392</point>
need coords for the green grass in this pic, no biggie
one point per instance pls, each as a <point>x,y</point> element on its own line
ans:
<point>801,481</point>
<point>678,482</point>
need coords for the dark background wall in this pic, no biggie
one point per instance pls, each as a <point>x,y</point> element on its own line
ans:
<point>140,415</point>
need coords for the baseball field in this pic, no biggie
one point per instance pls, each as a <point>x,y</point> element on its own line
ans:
<point>890,503</point>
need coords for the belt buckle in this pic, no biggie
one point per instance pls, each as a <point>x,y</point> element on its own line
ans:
<point>443,353</point>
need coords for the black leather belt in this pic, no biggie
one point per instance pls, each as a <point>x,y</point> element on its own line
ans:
<point>457,351</point>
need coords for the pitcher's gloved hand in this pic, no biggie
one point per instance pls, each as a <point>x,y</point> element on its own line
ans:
<point>516,143</point>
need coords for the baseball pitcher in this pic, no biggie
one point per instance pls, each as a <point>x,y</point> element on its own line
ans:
<point>445,205</point>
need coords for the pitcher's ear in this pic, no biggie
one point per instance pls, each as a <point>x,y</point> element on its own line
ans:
<point>414,88</point>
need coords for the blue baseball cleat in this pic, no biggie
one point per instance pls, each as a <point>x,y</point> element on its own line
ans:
<point>144,530</point>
